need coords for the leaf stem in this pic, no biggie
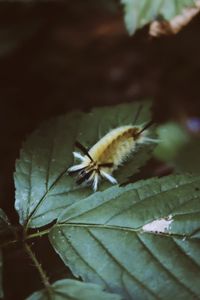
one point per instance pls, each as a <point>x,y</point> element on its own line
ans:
<point>38,234</point>
<point>42,273</point>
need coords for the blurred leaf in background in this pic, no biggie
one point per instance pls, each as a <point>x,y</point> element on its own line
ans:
<point>188,159</point>
<point>180,145</point>
<point>172,137</point>
<point>141,12</point>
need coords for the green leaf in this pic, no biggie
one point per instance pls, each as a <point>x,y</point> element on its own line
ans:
<point>67,289</point>
<point>1,276</point>
<point>140,12</point>
<point>142,240</point>
<point>43,187</point>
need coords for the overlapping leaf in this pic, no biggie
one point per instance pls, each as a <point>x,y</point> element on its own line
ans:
<point>108,238</point>
<point>43,187</point>
<point>67,289</point>
<point>140,12</point>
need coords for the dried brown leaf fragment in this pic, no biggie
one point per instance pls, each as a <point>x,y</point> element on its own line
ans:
<point>158,28</point>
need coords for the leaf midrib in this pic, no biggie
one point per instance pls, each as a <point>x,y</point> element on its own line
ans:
<point>135,203</point>
<point>119,228</point>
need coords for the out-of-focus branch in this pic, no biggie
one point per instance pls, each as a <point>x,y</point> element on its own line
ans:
<point>158,28</point>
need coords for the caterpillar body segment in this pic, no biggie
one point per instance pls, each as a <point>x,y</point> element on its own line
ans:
<point>108,154</point>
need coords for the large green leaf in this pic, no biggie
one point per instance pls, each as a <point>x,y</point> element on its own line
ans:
<point>67,289</point>
<point>141,240</point>
<point>140,12</point>
<point>43,187</point>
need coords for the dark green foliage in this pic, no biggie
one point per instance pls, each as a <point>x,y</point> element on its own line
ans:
<point>68,289</point>
<point>138,241</point>
<point>108,238</point>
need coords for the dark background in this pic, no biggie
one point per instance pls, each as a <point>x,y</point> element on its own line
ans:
<point>57,56</point>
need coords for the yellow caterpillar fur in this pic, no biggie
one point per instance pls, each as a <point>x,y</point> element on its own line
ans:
<point>109,153</point>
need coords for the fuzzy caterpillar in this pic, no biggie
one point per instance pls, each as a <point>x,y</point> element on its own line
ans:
<point>108,154</point>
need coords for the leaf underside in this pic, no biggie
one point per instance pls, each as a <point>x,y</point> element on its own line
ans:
<point>43,186</point>
<point>105,238</point>
<point>139,13</point>
<point>67,289</point>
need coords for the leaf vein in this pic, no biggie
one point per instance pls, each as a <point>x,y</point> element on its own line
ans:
<point>30,183</point>
<point>45,195</point>
<point>187,255</point>
<point>49,159</point>
<point>122,266</point>
<point>125,287</point>
<point>140,200</point>
<point>82,258</point>
<point>166,269</point>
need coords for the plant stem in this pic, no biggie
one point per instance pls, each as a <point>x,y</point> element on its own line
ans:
<point>42,273</point>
